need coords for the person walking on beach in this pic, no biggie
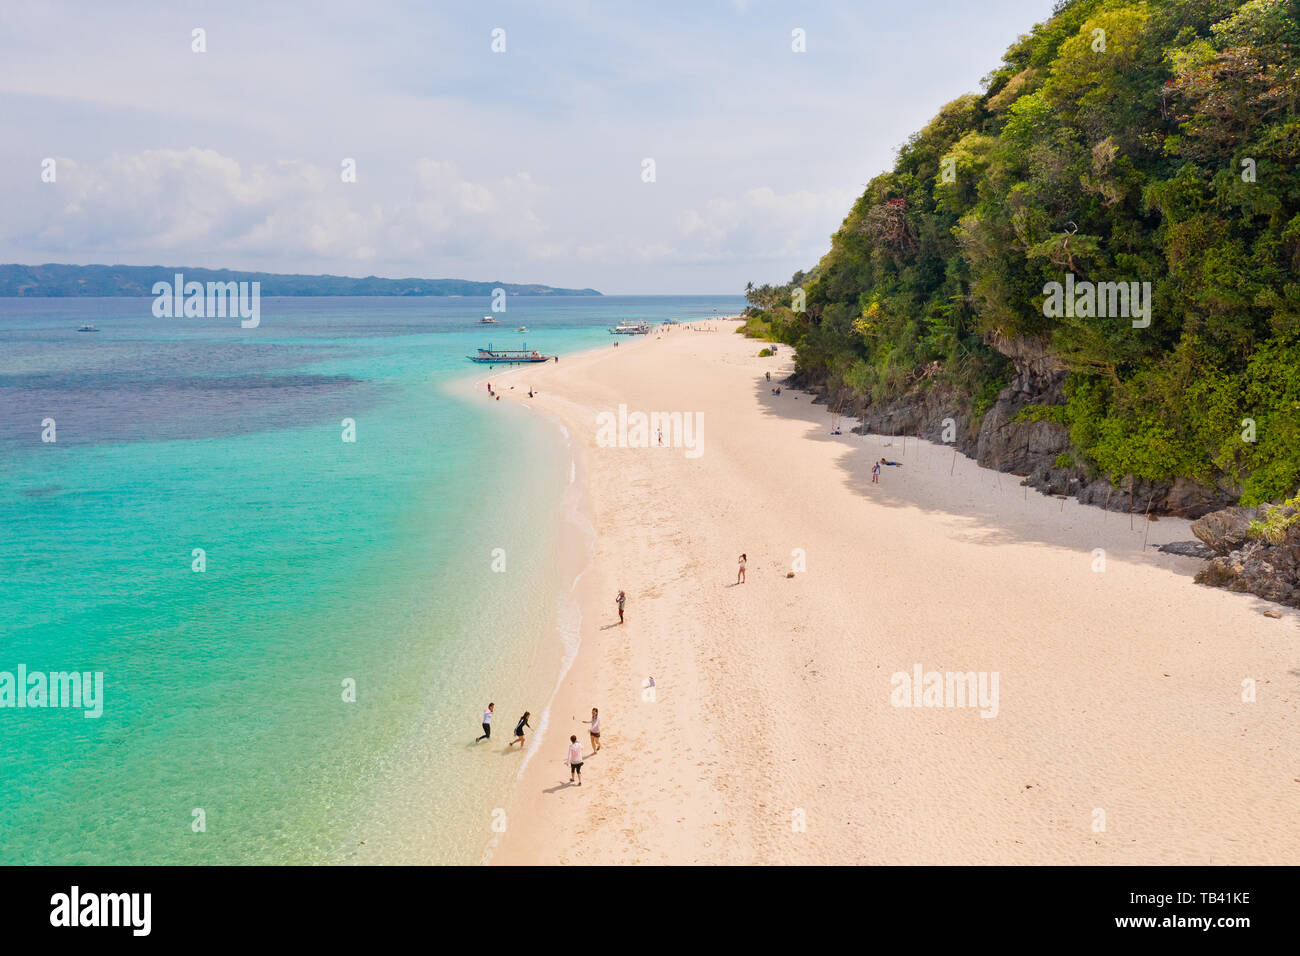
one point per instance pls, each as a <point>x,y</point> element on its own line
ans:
<point>875,473</point>
<point>487,724</point>
<point>661,435</point>
<point>519,732</point>
<point>575,758</point>
<point>620,601</point>
<point>594,730</point>
<point>740,575</point>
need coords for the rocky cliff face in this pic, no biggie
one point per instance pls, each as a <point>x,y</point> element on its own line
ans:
<point>926,412</point>
<point>1269,569</point>
<point>1032,448</point>
<point>1022,447</point>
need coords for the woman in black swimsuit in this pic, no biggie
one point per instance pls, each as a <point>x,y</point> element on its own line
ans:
<point>519,732</point>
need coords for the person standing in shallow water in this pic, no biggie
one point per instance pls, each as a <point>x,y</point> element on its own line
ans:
<point>620,601</point>
<point>519,731</point>
<point>487,724</point>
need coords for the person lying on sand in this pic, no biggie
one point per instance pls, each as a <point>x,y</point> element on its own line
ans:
<point>895,464</point>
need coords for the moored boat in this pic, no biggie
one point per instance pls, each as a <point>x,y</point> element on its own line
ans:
<point>488,320</point>
<point>631,328</point>
<point>521,356</point>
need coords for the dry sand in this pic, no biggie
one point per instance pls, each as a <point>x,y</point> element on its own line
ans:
<point>1119,691</point>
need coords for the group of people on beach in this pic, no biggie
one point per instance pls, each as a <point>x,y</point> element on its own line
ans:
<point>573,759</point>
<point>492,394</point>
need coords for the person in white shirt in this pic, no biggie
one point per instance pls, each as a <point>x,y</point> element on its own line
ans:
<point>594,730</point>
<point>575,758</point>
<point>487,724</point>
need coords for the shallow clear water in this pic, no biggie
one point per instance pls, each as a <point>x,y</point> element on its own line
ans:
<point>326,561</point>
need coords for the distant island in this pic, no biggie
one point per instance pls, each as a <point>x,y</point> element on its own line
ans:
<point>58,280</point>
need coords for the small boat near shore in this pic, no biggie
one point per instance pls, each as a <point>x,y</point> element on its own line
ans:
<point>87,328</point>
<point>631,328</point>
<point>488,320</point>
<point>522,356</point>
<point>523,328</point>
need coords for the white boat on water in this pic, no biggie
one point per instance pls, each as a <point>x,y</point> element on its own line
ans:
<point>523,328</point>
<point>488,320</point>
<point>631,328</point>
<point>87,328</point>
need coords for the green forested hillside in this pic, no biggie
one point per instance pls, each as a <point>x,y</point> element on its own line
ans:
<point>1123,141</point>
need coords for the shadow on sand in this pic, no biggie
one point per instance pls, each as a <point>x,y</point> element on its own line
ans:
<point>990,507</point>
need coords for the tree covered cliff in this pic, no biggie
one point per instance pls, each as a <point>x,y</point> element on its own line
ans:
<point>1119,142</point>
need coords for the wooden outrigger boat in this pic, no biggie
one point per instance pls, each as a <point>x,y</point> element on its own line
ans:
<point>523,356</point>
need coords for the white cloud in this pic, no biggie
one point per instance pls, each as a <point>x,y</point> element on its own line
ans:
<point>197,205</point>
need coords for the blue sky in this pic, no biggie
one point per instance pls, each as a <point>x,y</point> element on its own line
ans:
<point>522,166</point>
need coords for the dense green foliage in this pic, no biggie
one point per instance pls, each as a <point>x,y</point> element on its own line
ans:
<point>1273,526</point>
<point>1162,150</point>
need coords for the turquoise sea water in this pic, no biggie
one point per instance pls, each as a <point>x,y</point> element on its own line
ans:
<point>326,561</point>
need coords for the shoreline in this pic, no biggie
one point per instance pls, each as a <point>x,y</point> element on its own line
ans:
<point>1121,691</point>
<point>576,544</point>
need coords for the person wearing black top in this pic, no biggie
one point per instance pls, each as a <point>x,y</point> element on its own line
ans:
<point>519,731</point>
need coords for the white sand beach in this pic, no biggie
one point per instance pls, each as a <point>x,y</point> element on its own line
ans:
<point>1120,734</point>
